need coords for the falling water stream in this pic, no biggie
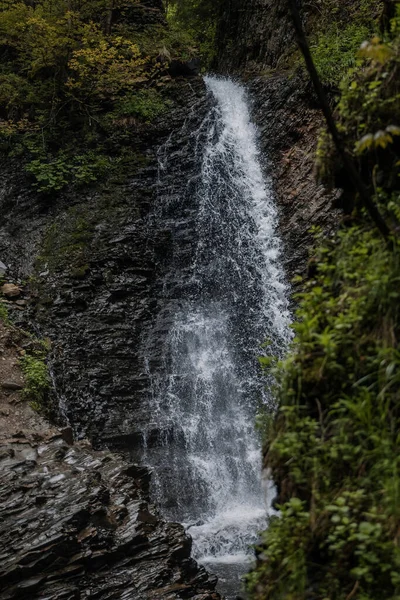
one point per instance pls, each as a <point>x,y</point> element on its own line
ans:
<point>208,462</point>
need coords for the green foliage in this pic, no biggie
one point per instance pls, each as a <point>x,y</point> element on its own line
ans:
<point>54,60</point>
<point>335,51</point>
<point>337,33</point>
<point>370,99</point>
<point>55,174</point>
<point>78,76</point>
<point>199,19</point>
<point>335,443</point>
<point>37,381</point>
<point>146,105</point>
<point>369,121</point>
<point>334,447</point>
<point>3,312</point>
<point>286,541</point>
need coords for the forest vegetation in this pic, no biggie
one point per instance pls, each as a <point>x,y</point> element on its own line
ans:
<point>333,448</point>
<point>80,75</point>
<point>199,19</point>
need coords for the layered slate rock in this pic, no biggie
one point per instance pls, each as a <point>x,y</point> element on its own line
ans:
<point>76,523</point>
<point>253,35</point>
<point>99,261</point>
<point>289,124</point>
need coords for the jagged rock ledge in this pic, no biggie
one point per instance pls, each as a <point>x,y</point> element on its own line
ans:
<point>76,523</point>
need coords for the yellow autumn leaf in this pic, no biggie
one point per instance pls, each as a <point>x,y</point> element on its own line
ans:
<point>382,139</point>
<point>393,129</point>
<point>365,143</point>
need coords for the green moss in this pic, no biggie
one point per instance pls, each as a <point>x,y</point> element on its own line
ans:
<point>3,312</point>
<point>37,381</point>
<point>67,241</point>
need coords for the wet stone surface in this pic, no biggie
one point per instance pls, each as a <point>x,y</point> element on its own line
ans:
<point>78,524</point>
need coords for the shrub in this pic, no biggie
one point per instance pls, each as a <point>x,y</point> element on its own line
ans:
<point>37,381</point>
<point>335,51</point>
<point>145,105</point>
<point>54,175</point>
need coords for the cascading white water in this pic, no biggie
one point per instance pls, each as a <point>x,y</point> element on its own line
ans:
<point>205,401</point>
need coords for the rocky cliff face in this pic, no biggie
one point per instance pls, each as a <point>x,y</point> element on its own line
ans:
<point>98,260</point>
<point>253,36</point>
<point>256,43</point>
<point>289,126</point>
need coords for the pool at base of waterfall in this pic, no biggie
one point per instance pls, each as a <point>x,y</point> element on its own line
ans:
<point>230,571</point>
<point>223,545</point>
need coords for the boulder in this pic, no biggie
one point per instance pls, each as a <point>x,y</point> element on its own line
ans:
<point>9,290</point>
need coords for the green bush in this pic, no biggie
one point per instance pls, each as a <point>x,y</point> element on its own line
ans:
<point>145,105</point>
<point>333,448</point>
<point>37,381</point>
<point>54,175</point>
<point>335,50</point>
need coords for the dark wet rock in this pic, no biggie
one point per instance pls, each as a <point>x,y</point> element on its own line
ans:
<point>289,124</point>
<point>253,35</point>
<point>190,68</point>
<point>67,435</point>
<point>99,323</point>
<point>79,524</point>
<point>141,14</point>
<point>76,523</point>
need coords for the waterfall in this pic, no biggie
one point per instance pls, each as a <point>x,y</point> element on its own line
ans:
<point>231,298</point>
